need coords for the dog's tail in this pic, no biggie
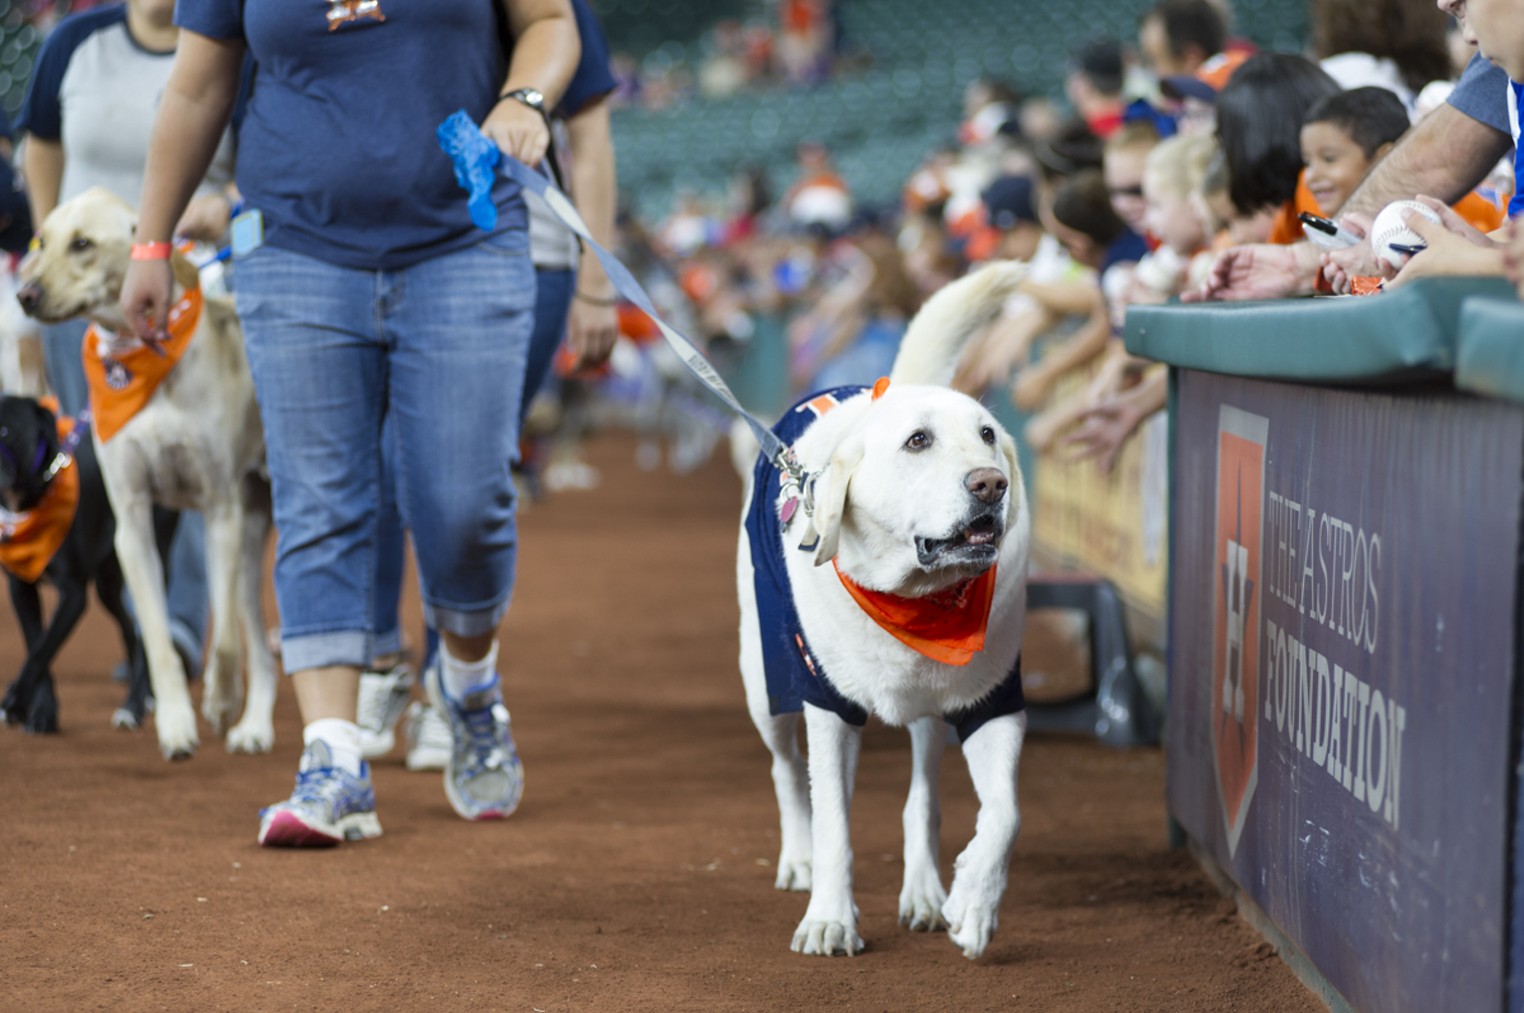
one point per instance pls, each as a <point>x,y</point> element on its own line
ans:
<point>950,319</point>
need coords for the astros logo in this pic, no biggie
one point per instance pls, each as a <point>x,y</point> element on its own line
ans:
<point>1236,637</point>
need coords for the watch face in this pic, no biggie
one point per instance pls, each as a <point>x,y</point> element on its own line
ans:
<point>531,96</point>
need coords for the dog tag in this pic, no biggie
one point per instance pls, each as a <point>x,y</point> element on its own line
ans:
<point>787,511</point>
<point>248,233</point>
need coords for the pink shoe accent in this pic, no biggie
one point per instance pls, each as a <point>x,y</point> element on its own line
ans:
<point>286,830</point>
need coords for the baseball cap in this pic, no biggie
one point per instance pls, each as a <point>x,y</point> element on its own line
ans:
<point>1208,80</point>
<point>1008,202</point>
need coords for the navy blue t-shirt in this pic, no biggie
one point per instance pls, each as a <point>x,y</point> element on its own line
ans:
<point>593,79</point>
<point>794,673</point>
<point>337,146</point>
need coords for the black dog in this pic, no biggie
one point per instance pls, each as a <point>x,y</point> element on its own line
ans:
<point>32,458</point>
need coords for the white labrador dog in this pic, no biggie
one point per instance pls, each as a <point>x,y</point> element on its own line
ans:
<point>197,444</point>
<point>892,581</point>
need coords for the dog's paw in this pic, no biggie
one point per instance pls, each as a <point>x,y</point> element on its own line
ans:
<point>12,708</point>
<point>123,717</point>
<point>793,874</point>
<point>969,925</point>
<point>251,737</point>
<point>41,720</point>
<point>827,939</point>
<point>220,710</point>
<point>921,901</point>
<point>176,726</point>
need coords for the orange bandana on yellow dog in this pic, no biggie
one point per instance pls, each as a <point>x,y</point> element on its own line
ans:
<point>30,541</point>
<point>947,627</point>
<point>120,385</point>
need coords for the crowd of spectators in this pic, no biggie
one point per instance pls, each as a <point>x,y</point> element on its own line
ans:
<point>1178,167</point>
<point>793,43</point>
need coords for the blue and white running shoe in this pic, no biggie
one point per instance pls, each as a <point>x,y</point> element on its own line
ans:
<point>328,806</point>
<point>484,779</point>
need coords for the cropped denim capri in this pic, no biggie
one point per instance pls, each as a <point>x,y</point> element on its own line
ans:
<point>441,346</point>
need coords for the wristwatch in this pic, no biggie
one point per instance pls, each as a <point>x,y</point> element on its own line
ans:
<point>531,97</point>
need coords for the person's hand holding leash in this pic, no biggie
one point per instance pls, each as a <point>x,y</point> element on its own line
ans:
<point>147,290</point>
<point>518,130</point>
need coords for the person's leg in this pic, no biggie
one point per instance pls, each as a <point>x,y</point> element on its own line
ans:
<point>188,598</point>
<point>387,682</point>
<point>62,359</point>
<point>426,731</point>
<point>320,372</point>
<point>552,306</point>
<point>461,325</point>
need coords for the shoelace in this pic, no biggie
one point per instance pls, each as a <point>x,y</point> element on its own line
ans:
<point>481,723</point>
<point>310,784</point>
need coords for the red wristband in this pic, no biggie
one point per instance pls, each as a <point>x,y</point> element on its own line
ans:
<point>150,251</point>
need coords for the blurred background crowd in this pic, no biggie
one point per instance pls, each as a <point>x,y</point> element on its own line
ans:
<point>796,176</point>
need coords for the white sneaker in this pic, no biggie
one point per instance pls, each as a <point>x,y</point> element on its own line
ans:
<point>429,741</point>
<point>383,697</point>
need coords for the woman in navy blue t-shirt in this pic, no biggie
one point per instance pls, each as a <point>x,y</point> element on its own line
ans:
<point>364,291</point>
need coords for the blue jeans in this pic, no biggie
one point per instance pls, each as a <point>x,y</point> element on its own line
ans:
<point>439,346</point>
<point>552,305</point>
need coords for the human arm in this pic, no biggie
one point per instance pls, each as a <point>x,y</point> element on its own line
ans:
<point>992,356</point>
<point>1076,296</point>
<point>545,51</point>
<point>1258,271</point>
<point>1513,255</point>
<point>42,161</point>
<point>593,325</point>
<point>206,217</point>
<point>1105,428</point>
<point>1446,154</point>
<point>1035,383</point>
<point>193,112</point>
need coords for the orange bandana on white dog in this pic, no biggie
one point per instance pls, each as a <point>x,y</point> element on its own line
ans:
<point>947,627</point>
<point>120,385</point>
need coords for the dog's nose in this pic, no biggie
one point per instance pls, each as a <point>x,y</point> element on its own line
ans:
<point>986,484</point>
<point>29,296</point>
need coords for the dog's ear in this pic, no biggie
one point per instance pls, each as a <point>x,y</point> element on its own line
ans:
<point>1016,494</point>
<point>831,497</point>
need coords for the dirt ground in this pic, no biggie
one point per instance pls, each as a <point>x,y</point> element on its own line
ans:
<point>638,873</point>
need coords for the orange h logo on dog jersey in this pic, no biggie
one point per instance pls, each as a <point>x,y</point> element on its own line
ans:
<point>819,405</point>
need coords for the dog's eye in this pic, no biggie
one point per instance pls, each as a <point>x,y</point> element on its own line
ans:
<point>987,434</point>
<point>919,440</point>
<point>80,245</point>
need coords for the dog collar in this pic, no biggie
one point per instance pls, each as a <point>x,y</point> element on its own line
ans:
<point>948,626</point>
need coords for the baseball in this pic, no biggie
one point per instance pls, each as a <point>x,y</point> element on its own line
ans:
<point>1389,228</point>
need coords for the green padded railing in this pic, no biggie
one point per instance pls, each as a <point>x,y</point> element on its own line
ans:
<point>1409,333</point>
<point>1490,348</point>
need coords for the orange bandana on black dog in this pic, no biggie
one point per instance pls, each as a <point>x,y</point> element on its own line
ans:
<point>120,385</point>
<point>29,541</point>
<point>947,627</point>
